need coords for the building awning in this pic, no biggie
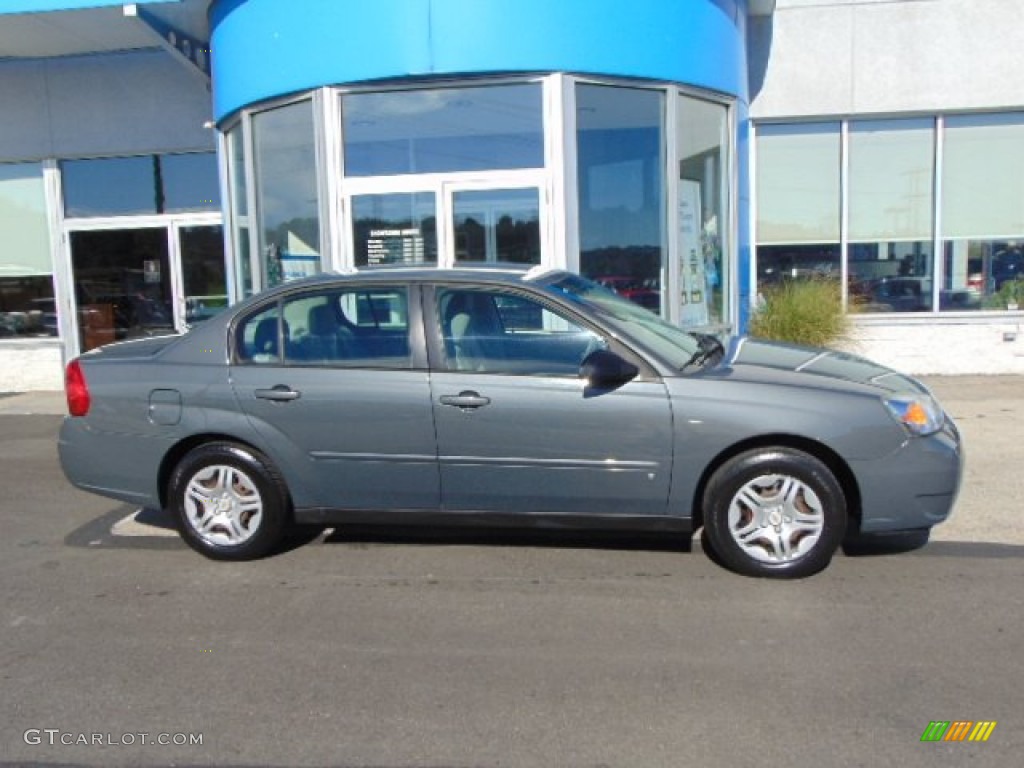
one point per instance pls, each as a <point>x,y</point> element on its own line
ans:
<point>34,29</point>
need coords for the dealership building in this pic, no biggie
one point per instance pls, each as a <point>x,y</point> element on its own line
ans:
<point>161,160</point>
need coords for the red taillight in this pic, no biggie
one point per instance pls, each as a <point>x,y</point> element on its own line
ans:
<point>76,389</point>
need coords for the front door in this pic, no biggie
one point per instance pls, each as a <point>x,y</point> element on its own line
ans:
<point>142,277</point>
<point>451,220</point>
<point>123,285</point>
<point>519,431</point>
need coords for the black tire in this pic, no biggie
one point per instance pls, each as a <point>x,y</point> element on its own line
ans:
<point>774,512</point>
<point>243,521</point>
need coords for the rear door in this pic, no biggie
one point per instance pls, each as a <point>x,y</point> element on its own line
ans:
<point>518,431</point>
<point>335,381</point>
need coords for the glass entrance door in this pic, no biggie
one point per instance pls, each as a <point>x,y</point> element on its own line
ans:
<point>447,220</point>
<point>497,225</point>
<point>123,285</point>
<point>154,278</point>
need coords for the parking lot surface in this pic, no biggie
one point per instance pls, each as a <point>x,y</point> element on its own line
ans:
<point>402,649</point>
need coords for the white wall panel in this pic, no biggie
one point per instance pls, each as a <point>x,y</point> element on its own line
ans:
<point>848,57</point>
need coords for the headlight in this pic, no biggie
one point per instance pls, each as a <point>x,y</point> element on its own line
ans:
<point>917,412</point>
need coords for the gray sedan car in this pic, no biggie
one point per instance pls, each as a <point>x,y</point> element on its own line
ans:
<point>506,398</point>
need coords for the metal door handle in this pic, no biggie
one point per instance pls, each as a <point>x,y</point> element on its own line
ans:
<point>466,400</point>
<point>281,393</point>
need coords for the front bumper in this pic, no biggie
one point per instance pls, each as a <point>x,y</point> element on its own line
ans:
<point>916,487</point>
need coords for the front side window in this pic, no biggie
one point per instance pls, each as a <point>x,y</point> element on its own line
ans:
<point>497,332</point>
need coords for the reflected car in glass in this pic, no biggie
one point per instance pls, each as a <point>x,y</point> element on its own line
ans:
<point>487,397</point>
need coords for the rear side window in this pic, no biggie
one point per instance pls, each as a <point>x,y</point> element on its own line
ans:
<point>354,327</point>
<point>259,338</point>
<point>357,327</point>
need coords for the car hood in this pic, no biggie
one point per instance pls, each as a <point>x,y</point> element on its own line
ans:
<point>748,359</point>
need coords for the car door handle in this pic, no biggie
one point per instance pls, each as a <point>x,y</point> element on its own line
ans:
<point>465,400</point>
<point>279,394</point>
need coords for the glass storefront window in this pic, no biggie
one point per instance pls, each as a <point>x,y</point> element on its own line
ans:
<point>26,286</point>
<point>798,169</point>
<point>621,176</point>
<point>983,212</point>
<point>238,211</point>
<point>190,182</point>
<point>396,228</point>
<point>146,184</point>
<point>284,154</point>
<point>703,210</point>
<point>891,260</point>
<point>443,130</point>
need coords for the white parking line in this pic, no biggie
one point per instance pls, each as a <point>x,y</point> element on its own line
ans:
<point>153,523</point>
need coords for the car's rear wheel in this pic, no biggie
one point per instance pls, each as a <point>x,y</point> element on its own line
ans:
<point>229,502</point>
<point>775,512</point>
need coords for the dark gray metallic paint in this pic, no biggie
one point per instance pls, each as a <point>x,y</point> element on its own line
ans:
<point>360,440</point>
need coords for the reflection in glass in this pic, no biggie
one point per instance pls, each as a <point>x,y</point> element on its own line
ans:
<point>397,228</point>
<point>239,211</point>
<point>146,184</point>
<point>498,225</point>
<point>112,186</point>
<point>286,192</point>
<point>443,129</point>
<point>26,287</point>
<point>891,264</point>
<point>703,210</point>
<point>202,268</point>
<point>621,189</point>
<point>982,220</point>
<point>122,285</point>
<point>798,203</point>
<point>190,182</point>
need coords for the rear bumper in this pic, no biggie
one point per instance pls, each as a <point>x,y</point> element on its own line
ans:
<point>118,466</point>
<point>914,488</point>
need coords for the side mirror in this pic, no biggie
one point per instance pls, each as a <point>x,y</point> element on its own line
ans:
<point>602,368</point>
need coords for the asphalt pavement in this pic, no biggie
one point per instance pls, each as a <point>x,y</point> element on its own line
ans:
<point>420,649</point>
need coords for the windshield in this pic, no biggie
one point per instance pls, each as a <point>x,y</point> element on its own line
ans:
<point>672,344</point>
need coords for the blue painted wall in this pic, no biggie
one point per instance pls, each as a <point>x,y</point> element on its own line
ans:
<point>266,48</point>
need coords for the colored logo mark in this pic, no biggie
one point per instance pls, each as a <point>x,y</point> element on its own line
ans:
<point>958,730</point>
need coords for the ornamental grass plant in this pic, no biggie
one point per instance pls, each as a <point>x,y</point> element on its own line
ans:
<point>808,311</point>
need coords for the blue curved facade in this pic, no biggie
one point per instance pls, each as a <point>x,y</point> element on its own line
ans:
<point>267,48</point>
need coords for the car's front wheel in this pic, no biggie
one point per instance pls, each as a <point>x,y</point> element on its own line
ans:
<point>775,512</point>
<point>229,501</point>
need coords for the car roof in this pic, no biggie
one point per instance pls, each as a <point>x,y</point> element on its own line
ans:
<point>483,274</point>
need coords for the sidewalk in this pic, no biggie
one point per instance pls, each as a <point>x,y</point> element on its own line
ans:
<point>33,403</point>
